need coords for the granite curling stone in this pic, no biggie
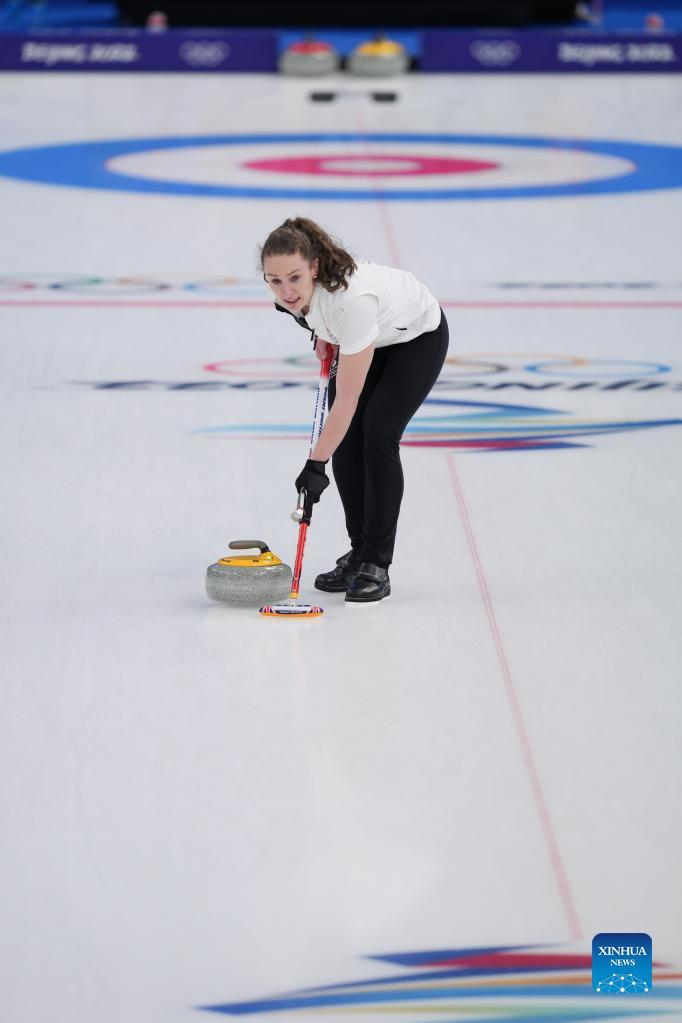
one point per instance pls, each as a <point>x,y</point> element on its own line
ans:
<point>249,580</point>
<point>379,57</point>
<point>308,58</point>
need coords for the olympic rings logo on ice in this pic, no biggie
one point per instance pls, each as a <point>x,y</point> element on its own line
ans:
<point>91,284</point>
<point>204,53</point>
<point>459,366</point>
<point>556,365</point>
<point>87,284</point>
<point>495,52</point>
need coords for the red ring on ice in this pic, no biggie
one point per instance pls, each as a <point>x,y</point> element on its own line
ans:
<point>369,165</point>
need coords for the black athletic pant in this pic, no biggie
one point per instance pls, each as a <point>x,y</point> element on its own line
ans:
<point>366,464</point>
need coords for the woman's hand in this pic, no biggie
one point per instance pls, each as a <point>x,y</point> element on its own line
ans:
<point>314,480</point>
<point>322,348</point>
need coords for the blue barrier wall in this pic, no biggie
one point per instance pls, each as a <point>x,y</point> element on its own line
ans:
<point>138,50</point>
<point>535,50</point>
<point>439,50</point>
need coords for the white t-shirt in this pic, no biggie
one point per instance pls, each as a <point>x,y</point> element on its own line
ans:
<point>381,306</point>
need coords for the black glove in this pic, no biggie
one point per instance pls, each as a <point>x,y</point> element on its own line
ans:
<point>314,480</point>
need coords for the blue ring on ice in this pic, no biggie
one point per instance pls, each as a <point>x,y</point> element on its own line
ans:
<point>83,165</point>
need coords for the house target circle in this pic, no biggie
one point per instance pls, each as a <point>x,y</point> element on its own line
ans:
<point>637,166</point>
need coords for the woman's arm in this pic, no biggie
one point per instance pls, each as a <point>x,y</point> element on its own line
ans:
<point>350,378</point>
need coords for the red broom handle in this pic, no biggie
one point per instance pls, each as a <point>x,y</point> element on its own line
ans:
<point>321,399</point>
<point>320,408</point>
<point>298,564</point>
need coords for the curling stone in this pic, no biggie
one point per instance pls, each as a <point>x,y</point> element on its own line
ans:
<point>309,57</point>
<point>379,57</point>
<point>249,580</point>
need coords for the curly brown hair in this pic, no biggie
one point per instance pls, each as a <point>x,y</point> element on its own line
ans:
<point>304,236</point>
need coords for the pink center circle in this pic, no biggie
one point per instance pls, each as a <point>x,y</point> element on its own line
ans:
<point>370,165</point>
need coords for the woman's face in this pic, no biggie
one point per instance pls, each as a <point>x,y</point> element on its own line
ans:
<point>292,280</point>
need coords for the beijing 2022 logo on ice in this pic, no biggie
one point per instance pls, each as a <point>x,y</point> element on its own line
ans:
<point>621,964</point>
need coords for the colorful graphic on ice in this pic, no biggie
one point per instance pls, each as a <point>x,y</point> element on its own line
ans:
<point>476,425</point>
<point>486,985</point>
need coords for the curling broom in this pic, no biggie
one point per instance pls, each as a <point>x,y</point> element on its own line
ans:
<point>293,609</point>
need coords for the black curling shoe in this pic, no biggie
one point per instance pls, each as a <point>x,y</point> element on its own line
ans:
<point>339,579</point>
<point>370,583</point>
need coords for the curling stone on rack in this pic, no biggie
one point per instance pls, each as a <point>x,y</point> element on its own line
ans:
<point>249,580</point>
<point>309,57</point>
<point>379,57</point>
